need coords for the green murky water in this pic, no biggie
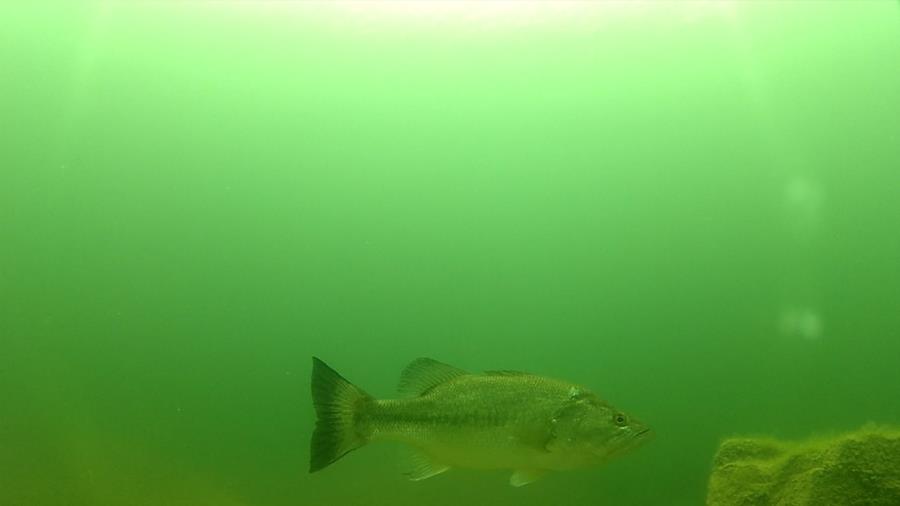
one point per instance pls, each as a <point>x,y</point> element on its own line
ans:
<point>691,208</point>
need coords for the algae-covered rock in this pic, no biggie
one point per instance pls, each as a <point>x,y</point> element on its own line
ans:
<point>855,469</point>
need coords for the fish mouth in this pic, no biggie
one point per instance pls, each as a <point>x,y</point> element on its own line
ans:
<point>643,436</point>
<point>640,438</point>
<point>630,442</point>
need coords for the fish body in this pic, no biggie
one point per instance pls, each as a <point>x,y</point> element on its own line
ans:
<point>450,418</point>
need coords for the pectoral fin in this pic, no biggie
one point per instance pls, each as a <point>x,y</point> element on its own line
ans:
<point>525,476</point>
<point>418,465</point>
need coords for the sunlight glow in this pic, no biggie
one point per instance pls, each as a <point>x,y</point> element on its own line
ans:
<point>522,11</point>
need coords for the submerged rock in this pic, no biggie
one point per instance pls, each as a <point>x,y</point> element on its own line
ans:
<point>854,469</point>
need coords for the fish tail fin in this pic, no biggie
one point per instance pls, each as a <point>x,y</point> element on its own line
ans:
<point>338,405</point>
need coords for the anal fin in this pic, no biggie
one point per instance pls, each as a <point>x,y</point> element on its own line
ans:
<point>525,476</point>
<point>418,465</point>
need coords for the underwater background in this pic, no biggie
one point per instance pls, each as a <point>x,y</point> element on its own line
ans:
<point>692,208</point>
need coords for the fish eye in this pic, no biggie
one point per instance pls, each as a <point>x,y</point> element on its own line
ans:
<point>620,419</point>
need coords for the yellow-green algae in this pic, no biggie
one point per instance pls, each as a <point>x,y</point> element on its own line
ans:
<point>856,468</point>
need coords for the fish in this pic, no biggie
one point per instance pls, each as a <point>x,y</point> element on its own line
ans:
<point>450,418</point>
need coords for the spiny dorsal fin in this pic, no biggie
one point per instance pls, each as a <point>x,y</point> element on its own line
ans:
<point>423,374</point>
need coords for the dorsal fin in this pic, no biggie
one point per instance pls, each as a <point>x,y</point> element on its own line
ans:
<point>506,372</point>
<point>423,374</point>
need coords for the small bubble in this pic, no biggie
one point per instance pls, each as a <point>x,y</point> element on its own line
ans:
<point>804,201</point>
<point>802,322</point>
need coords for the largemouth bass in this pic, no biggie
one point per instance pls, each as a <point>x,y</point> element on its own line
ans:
<point>450,418</point>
